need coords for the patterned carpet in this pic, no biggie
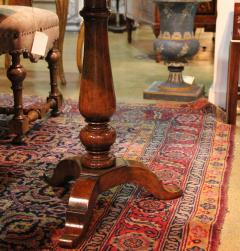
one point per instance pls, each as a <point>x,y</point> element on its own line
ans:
<point>185,145</point>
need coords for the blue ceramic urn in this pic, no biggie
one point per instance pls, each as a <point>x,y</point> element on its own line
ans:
<point>176,43</point>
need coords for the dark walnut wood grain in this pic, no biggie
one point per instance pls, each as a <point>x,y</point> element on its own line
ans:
<point>98,169</point>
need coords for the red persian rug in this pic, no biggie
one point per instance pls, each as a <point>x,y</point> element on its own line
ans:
<point>183,144</point>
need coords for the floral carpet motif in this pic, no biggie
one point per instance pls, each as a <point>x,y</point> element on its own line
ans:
<point>183,144</point>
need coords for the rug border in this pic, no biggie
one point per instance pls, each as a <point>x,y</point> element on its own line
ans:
<point>217,229</point>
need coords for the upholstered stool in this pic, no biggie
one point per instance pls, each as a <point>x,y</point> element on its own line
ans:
<point>18,27</point>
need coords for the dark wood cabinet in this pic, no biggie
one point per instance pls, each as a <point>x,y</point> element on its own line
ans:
<point>206,16</point>
<point>207,8</point>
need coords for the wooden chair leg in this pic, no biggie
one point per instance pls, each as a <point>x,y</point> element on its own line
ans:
<point>62,11</point>
<point>80,46</point>
<point>7,61</point>
<point>129,23</point>
<point>19,125</point>
<point>54,95</point>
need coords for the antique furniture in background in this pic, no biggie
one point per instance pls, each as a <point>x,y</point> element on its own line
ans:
<point>98,169</point>
<point>73,18</point>
<point>116,24</point>
<point>206,16</point>
<point>62,11</point>
<point>80,47</point>
<point>145,11</point>
<point>176,44</point>
<point>141,11</point>
<point>75,23</point>
<point>18,26</point>
<point>233,80</point>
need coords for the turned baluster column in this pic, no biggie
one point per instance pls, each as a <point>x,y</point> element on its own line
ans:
<point>97,99</point>
<point>19,123</point>
<point>55,97</point>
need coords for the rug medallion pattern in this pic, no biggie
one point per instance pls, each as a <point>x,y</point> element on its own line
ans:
<point>185,145</point>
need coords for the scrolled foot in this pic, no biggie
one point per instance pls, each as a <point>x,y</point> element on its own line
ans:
<point>80,208</point>
<point>69,240</point>
<point>142,176</point>
<point>169,192</point>
<point>66,170</point>
<point>129,171</point>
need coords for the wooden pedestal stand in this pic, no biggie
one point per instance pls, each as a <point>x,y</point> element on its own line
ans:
<point>98,169</point>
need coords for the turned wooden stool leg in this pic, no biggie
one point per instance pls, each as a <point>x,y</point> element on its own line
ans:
<point>16,74</point>
<point>80,47</point>
<point>62,12</point>
<point>54,95</point>
<point>98,169</point>
<point>129,23</point>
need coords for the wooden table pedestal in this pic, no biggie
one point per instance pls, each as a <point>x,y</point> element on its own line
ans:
<point>98,169</point>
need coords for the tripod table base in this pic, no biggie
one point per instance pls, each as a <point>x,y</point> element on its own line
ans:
<point>91,182</point>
